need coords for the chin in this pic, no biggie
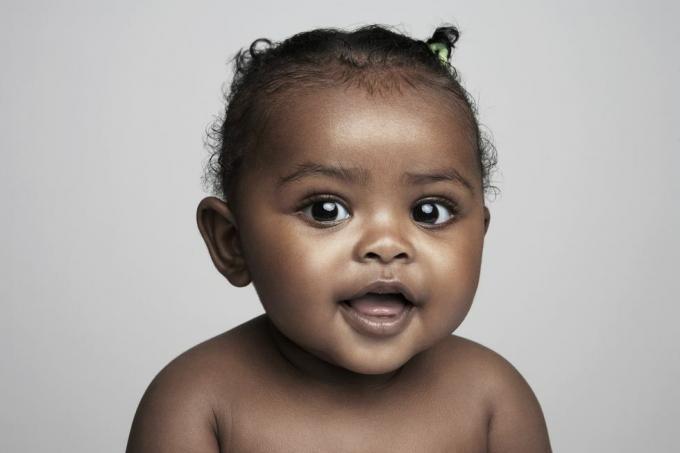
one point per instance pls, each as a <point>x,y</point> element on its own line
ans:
<point>375,365</point>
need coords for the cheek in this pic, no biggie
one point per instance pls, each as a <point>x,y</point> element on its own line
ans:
<point>455,270</point>
<point>294,266</point>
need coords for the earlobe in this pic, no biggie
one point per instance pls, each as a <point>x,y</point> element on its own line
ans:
<point>217,225</point>
<point>487,219</point>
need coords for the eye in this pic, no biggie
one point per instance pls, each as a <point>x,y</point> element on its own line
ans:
<point>434,212</point>
<point>325,210</point>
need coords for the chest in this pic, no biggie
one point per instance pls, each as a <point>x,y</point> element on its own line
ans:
<point>298,424</point>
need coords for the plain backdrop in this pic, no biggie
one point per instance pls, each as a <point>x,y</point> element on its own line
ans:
<point>105,279</point>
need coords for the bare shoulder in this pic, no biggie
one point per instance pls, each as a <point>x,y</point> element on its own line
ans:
<point>516,421</point>
<point>177,412</point>
<point>477,361</point>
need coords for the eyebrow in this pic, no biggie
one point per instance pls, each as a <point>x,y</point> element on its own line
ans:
<point>348,174</point>
<point>447,174</point>
<point>357,175</point>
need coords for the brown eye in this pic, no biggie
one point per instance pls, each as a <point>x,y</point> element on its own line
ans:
<point>325,210</point>
<point>433,213</point>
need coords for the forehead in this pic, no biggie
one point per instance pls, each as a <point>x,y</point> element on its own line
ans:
<point>347,126</point>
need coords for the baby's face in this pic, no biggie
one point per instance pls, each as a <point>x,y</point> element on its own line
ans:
<point>360,213</point>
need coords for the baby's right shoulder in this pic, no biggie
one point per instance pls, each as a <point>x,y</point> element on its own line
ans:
<point>184,406</point>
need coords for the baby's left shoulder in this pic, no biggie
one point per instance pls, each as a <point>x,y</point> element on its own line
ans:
<point>472,360</point>
<point>516,421</point>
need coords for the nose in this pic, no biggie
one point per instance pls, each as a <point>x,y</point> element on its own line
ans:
<point>384,241</point>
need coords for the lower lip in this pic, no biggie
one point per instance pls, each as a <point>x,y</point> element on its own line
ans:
<point>379,326</point>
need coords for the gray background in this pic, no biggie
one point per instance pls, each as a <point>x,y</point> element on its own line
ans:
<point>105,278</point>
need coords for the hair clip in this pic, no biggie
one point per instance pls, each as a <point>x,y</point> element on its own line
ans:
<point>440,50</point>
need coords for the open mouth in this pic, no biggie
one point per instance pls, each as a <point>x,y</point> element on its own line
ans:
<point>386,305</point>
<point>380,315</point>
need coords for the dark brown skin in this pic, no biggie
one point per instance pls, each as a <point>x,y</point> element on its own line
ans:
<point>300,378</point>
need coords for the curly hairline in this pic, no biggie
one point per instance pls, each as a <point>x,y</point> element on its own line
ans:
<point>228,140</point>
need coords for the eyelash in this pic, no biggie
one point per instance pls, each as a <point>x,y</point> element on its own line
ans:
<point>450,205</point>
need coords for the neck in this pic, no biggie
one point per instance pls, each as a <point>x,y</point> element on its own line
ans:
<point>318,371</point>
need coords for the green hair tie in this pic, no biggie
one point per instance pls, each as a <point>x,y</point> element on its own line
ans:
<point>441,51</point>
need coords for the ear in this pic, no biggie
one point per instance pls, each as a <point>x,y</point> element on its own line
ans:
<point>217,225</point>
<point>487,219</point>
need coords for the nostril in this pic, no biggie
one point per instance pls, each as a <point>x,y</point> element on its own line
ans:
<point>387,257</point>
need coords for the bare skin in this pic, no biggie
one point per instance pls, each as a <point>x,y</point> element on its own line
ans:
<point>301,378</point>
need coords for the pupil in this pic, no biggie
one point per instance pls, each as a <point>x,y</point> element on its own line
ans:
<point>425,212</point>
<point>327,210</point>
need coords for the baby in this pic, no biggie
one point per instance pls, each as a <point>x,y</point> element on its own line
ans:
<point>352,176</point>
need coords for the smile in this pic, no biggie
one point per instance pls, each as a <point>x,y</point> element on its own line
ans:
<point>380,315</point>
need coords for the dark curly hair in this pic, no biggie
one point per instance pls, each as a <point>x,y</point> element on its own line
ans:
<point>374,57</point>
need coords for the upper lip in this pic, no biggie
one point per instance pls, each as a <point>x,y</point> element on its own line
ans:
<point>386,287</point>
